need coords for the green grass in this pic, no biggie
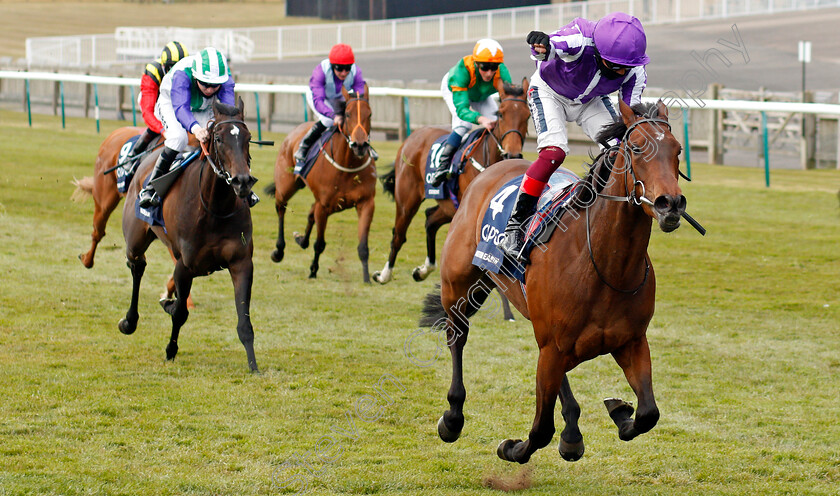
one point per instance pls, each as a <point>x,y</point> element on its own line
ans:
<point>744,342</point>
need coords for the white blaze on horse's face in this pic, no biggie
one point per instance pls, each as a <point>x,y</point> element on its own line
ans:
<point>234,130</point>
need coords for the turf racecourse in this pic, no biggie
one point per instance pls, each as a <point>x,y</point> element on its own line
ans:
<point>745,346</point>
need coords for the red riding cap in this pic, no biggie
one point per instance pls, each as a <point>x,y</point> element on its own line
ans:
<point>342,54</point>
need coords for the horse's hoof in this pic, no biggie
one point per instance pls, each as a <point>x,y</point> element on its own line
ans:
<point>377,277</point>
<point>127,327</point>
<point>571,452</point>
<point>504,451</point>
<point>168,305</point>
<point>416,274</point>
<point>300,240</point>
<point>313,275</point>
<point>276,256</point>
<point>171,351</point>
<point>618,409</point>
<point>445,434</point>
<point>87,263</point>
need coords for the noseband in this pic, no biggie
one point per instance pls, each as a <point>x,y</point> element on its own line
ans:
<point>512,130</point>
<point>350,142</point>
<point>219,171</point>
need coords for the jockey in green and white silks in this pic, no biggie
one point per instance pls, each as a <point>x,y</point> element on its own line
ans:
<point>185,103</point>
<point>468,90</point>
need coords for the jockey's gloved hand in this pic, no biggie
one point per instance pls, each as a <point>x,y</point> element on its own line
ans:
<point>539,38</point>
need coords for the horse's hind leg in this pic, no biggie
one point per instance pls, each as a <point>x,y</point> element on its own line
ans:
<point>550,375</point>
<point>242,275</point>
<point>105,200</point>
<point>178,310</point>
<point>284,191</point>
<point>407,205</point>
<point>364,211</point>
<point>320,244</point>
<point>436,217</point>
<point>571,440</point>
<point>634,359</point>
<point>303,241</point>
<point>460,300</point>
<point>508,314</point>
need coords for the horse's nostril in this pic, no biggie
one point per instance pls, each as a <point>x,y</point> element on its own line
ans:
<point>662,203</point>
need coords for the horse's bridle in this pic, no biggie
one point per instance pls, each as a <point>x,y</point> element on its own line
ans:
<point>498,140</point>
<point>350,142</point>
<point>220,172</point>
<point>630,197</point>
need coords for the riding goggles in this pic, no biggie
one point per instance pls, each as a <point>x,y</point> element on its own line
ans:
<point>209,86</point>
<point>342,67</point>
<point>488,66</point>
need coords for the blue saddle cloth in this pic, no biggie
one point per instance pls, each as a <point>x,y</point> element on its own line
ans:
<point>448,189</point>
<point>303,167</point>
<point>126,172</point>
<point>560,189</point>
<point>154,215</point>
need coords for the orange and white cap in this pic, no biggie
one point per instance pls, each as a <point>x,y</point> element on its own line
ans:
<point>487,50</point>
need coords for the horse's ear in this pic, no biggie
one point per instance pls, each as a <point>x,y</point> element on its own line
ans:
<point>627,114</point>
<point>500,87</point>
<point>215,105</point>
<point>345,93</point>
<point>525,86</point>
<point>367,95</point>
<point>662,109</point>
<point>240,105</point>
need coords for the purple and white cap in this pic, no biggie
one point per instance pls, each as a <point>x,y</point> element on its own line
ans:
<point>620,39</point>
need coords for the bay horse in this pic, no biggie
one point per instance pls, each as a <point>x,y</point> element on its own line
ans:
<point>343,176</point>
<point>588,291</point>
<point>106,196</point>
<point>407,180</point>
<point>208,226</point>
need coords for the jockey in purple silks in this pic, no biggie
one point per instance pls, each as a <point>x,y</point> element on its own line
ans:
<point>324,94</point>
<point>578,66</point>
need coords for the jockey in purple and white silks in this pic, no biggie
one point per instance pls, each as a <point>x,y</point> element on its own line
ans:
<point>578,66</point>
<point>185,103</point>
<point>324,95</point>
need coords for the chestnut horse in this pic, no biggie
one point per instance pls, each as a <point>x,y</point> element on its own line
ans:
<point>343,176</point>
<point>208,226</point>
<point>103,187</point>
<point>407,180</point>
<point>589,290</point>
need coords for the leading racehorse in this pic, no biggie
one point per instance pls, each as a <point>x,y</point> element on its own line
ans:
<point>407,181</point>
<point>343,176</point>
<point>208,226</point>
<point>588,291</point>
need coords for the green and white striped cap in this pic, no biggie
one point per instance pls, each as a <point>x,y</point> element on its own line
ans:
<point>210,66</point>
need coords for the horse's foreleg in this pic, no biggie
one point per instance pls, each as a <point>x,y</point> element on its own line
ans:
<point>280,245</point>
<point>435,218</point>
<point>634,359</point>
<point>129,324</point>
<point>508,314</point>
<point>549,380</point>
<point>102,209</point>
<point>365,213</point>
<point>242,275</point>
<point>571,440</point>
<point>320,214</point>
<point>179,311</point>
<point>460,301</point>
<point>406,210</point>
<point>303,241</point>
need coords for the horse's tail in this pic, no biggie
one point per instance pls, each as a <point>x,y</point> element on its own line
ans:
<point>84,188</point>
<point>389,181</point>
<point>270,189</point>
<point>433,310</point>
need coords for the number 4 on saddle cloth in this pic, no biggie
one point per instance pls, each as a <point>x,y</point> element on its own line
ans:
<point>561,188</point>
<point>449,188</point>
<point>154,215</point>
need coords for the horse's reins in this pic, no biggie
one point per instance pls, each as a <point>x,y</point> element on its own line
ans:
<point>350,143</point>
<point>220,172</point>
<point>482,168</point>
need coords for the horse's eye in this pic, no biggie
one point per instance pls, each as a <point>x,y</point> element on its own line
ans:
<point>636,149</point>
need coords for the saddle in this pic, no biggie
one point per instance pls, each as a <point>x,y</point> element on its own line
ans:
<point>154,215</point>
<point>126,167</point>
<point>303,168</point>
<point>449,189</point>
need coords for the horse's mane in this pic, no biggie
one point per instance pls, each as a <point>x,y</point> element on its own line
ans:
<point>598,175</point>
<point>513,90</point>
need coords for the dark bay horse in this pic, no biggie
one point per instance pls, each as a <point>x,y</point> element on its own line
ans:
<point>407,181</point>
<point>103,188</point>
<point>344,176</point>
<point>208,226</point>
<point>590,290</point>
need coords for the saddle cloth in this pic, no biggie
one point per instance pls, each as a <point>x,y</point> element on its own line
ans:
<point>126,171</point>
<point>560,189</point>
<point>154,215</point>
<point>302,168</point>
<point>448,189</point>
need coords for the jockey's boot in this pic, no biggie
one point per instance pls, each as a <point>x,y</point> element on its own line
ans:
<point>449,147</point>
<point>514,239</point>
<point>140,145</point>
<point>148,197</point>
<point>308,140</point>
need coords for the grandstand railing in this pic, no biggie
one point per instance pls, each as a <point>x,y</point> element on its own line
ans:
<point>127,45</point>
